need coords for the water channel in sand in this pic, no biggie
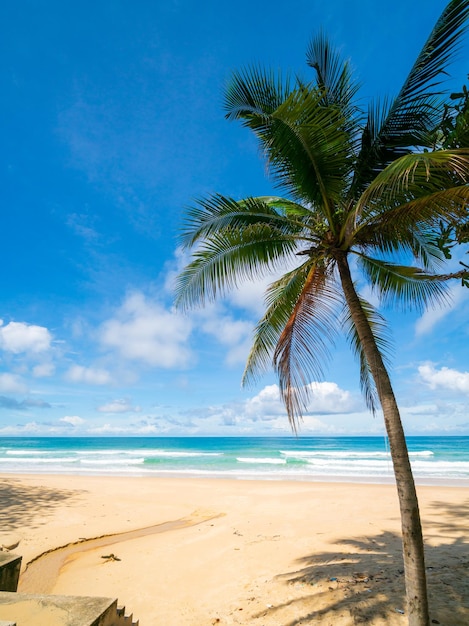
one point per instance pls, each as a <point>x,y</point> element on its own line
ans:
<point>42,572</point>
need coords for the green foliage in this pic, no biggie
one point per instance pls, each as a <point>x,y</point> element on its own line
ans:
<point>382,185</point>
<point>452,133</point>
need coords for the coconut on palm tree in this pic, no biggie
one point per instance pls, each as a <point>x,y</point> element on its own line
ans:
<point>364,192</point>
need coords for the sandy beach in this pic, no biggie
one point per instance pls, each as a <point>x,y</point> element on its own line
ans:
<point>196,552</point>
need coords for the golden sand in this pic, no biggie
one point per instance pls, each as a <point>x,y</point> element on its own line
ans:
<point>193,552</point>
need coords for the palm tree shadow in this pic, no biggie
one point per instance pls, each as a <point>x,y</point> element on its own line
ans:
<point>30,505</point>
<point>362,581</point>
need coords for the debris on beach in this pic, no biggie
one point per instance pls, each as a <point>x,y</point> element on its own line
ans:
<point>111,557</point>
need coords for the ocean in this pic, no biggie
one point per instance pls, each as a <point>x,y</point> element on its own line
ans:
<point>355,459</point>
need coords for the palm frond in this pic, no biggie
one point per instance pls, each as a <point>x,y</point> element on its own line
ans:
<point>399,241</point>
<point>403,286</point>
<point>308,145</point>
<point>308,148</point>
<point>426,182</point>
<point>380,332</point>
<point>281,298</point>
<point>227,258</point>
<point>217,213</point>
<point>416,110</point>
<point>333,75</point>
<point>287,207</point>
<point>302,348</point>
<point>255,93</point>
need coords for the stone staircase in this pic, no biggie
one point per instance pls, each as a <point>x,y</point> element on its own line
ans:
<point>122,618</point>
<point>23,609</point>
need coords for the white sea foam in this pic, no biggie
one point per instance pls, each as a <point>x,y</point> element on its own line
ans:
<point>347,454</point>
<point>262,461</point>
<point>270,458</point>
<point>28,452</point>
<point>178,454</point>
<point>342,463</point>
<point>148,453</point>
<point>38,460</point>
<point>113,461</point>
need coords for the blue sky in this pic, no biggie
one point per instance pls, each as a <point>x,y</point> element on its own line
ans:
<point>112,124</point>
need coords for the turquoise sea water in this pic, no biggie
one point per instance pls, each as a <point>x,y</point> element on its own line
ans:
<point>434,459</point>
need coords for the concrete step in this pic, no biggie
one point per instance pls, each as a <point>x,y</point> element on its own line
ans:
<point>123,618</point>
<point>49,610</point>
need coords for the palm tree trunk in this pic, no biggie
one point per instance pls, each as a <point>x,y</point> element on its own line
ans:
<point>412,540</point>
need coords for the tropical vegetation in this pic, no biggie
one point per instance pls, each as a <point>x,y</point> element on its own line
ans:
<point>366,196</point>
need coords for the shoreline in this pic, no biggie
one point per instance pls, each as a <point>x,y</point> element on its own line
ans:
<point>435,460</point>
<point>258,552</point>
<point>305,478</point>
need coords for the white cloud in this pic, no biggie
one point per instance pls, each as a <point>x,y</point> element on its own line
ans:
<point>431,317</point>
<point>266,402</point>
<point>17,337</point>
<point>74,420</point>
<point>250,295</point>
<point>119,406</point>
<point>174,267</point>
<point>145,331</point>
<point>235,335</point>
<point>265,413</point>
<point>88,375</point>
<point>325,398</point>
<point>43,370</point>
<point>11,383</point>
<point>329,398</point>
<point>110,429</point>
<point>444,378</point>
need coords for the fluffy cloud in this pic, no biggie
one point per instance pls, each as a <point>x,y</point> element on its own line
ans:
<point>234,335</point>
<point>73,420</point>
<point>10,383</point>
<point>146,332</point>
<point>119,406</point>
<point>431,317</point>
<point>44,370</point>
<point>325,398</point>
<point>88,375</point>
<point>328,398</point>
<point>444,378</point>
<point>250,294</point>
<point>265,412</point>
<point>18,337</point>
<point>266,402</point>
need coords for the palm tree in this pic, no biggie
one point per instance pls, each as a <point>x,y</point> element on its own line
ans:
<point>363,193</point>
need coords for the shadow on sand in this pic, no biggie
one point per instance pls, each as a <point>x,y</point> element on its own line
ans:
<point>362,581</point>
<point>22,505</point>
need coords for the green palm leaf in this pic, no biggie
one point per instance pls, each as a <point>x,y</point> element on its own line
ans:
<point>399,241</point>
<point>307,144</point>
<point>425,186</point>
<point>416,110</point>
<point>254,94</point>
<point>281,298</point>
<point>309,148</point>
<point>404,286</point>
<point>217,212</point>
<point>334,77</point>
<point>227,258</point>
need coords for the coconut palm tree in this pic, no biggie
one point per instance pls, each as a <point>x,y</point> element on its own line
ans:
<point>363,193</point>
